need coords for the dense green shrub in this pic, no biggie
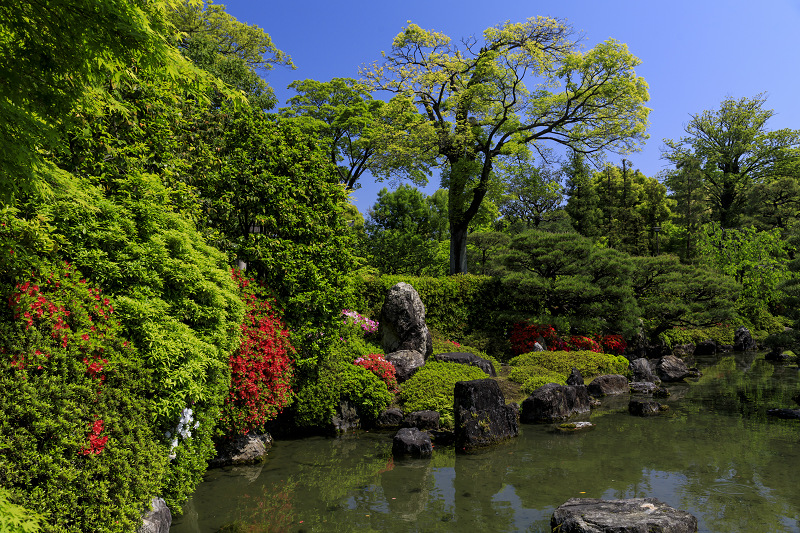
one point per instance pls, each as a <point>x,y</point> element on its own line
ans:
<point>588,363</point>
<point>431,388</point>
<point>721,334</point>
<point>77,442</point>
<point>522,374</point>
<point>539,380</point>
<point>15,518</point>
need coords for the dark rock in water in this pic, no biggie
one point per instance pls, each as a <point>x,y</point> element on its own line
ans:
<point>346,417</point>
<point>421,420</point>
<point>594,403</point>
<point>608,385</point>
<point>157,519</point>
<point>643,387</point>
<point>661,392</point>
<point>482,417</point>
<point>402,323</point>
<point>575,426</point>
<point>670,368</point>
<point>725,347</point>
<point>792,414</point>
<point>683,350</point>
<point>778,354</point>
<point>575,378</point>
<point>411,441</point>
<point>467,359</point>
<point>646,407</point>
<point>706,347</point>
<point>245,450</point>
<point>635,515</point>
<point>743,341</point>
<point>553,402</point>
<point>405,362</point>
<point>390,418</point>
<point>442,437</point>
<point>643,371</point>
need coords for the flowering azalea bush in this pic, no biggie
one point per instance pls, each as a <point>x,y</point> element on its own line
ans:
<point>72,394</point>
<point>354,319</point>
<point>613,344</point>
<point>382,368</point>
<point>525,335</point>
<point>261,368</point>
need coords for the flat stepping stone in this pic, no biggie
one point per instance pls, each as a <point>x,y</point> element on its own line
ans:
<point>634,515</point>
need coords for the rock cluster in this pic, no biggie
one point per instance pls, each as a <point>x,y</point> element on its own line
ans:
<point>553,402</point>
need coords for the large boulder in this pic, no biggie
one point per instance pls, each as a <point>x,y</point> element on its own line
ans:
<point>553,402</point>
<point>390,418</point>
<point>244,450</point>
<point>575,377</point>
<point>635,515</point>
<point>421,420</point>
<point>743,341</point>
<point>405,362</point>
<point>157,519</point>
<point>642,371</point>
<point>706,347</point>
<point>411,441</point>
<point>608,385</point>
<point>482,417</point>
<point>402,323</point>
<point>345,417</point>
<point>671,368</point>
<point>467,359</point>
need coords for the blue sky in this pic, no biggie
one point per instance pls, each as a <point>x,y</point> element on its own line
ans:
<point>694,53</point>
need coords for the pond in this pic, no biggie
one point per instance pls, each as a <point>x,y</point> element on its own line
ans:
<point>715,454</point>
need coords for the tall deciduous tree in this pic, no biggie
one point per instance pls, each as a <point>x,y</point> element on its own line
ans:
<point>475,98</point>
<point>533,193</point>
<point>734,150</point>
<point>363,134</point>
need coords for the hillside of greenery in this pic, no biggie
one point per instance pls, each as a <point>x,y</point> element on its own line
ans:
<point>180,261</point>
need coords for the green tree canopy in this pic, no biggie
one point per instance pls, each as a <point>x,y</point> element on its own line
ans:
<point>525,85</point>
<point>533,192</point>
<point>733,150</point>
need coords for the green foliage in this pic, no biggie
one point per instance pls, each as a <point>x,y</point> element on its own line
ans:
<point>588,363</point>
<point>445,346</point>
<point>533,193</point>
<point>721,334</point>
<point>431,388</point>
<point>583,205</point>
<point>564,279</point>
<point>77,439</point>
<point>758,260</point>
<point>15,518</point>
<point>533,377</point>
<point>732,149</point>
<point>472,98</point>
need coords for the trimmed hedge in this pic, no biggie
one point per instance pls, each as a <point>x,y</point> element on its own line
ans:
<point>588,363</point>
<point>721,334</point>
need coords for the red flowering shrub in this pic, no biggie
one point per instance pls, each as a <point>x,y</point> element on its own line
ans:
<point>613,344</point>
<point>524,336</point>
<point>261,368</point>
<point>579,342</point>
<point>382,368</point>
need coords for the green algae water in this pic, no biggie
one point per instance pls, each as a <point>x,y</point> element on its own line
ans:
<point>715,454</point>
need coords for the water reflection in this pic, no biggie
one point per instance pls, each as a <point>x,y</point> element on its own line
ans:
<point>715,454</point>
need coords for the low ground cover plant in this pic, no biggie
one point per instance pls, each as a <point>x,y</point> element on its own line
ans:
<point>534,369</point>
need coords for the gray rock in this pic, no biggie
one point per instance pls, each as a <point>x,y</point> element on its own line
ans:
<point>553,402</point>
<point>467,359</point>
<point>421,420</point>
<point>157,519</point>
<point>245,450</point>
<point>575,378</point>
<point>405,362</point>
<point>575,426</point>
<point>646,407</point>
<point>411,441</point>
<point>706,347</point>
<point>671,368</point>
<point>642,371</point>
<point>743,341</point>
<point>482,417</point>
<point>402,323</point>
<point>608,385</point>
<point>390,418</point>
<point>683,350</point>
<point>346,417</point>
<point>635,515</point>
<point>645,387</point>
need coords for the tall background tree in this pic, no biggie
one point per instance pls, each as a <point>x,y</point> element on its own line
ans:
<point>474,97</point>
<point>734,150</point>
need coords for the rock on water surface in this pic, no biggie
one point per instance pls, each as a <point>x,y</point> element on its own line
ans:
<point>243,450</point>
<point>743,341</point>
<point>609,384</point>
<point>421,420</point>
<point>553,402</point>
<point>671,368</point>
<point>482,417</point>
<point>411,441</point>
<point>635,515</point>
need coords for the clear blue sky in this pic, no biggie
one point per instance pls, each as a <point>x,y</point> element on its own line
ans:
<point>694,53</point>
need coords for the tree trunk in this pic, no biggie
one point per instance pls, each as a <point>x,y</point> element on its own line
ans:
<point>458,249</point>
